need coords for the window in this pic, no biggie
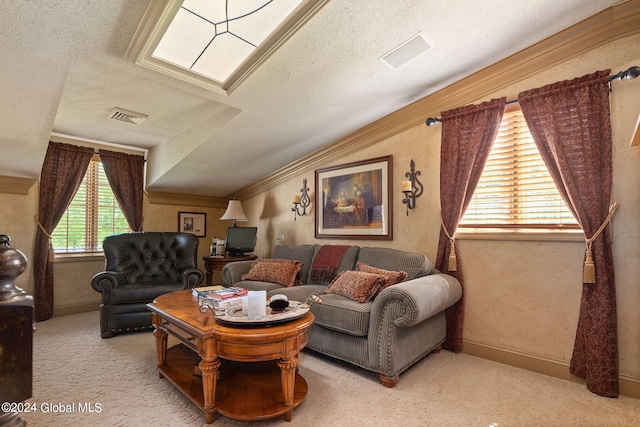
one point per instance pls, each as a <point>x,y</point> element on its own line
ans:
<point>92,215</point>
<point>516,190</point>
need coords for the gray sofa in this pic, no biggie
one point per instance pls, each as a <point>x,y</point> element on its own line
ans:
<point>387,335</point>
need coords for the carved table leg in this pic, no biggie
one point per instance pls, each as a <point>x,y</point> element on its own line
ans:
<point>209,370</point>
<point>161,341</point>
<point>288,379</point>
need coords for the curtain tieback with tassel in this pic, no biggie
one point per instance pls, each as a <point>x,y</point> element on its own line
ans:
<point>453,261</point>
<point>589,270</point>
<point>52,253</point>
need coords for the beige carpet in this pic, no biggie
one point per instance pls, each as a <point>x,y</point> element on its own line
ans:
<point>73,366</point>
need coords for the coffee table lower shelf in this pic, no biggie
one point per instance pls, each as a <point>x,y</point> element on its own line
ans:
<point>245,391</point>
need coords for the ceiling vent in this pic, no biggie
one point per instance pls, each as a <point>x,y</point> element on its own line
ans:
<point>408,50</point>
<point>127,116</point>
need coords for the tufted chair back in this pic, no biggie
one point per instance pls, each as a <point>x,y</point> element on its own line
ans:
<point>150,256</point>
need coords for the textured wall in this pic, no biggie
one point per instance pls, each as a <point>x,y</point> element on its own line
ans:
<point>521,296</point>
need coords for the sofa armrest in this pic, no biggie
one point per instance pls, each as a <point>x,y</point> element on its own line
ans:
<point>417,299</point>
<point>233,271</point>
<point>191,277</point>
<point>105,281</point>
<point>400,321</point>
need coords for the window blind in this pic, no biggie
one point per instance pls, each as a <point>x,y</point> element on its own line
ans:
<point>515,189</point>
<point>92,215</point>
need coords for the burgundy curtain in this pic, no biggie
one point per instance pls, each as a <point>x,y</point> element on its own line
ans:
<point>570,123</point>
<point>62,172</point>
<point>467,136</point>
<point>125,173</point>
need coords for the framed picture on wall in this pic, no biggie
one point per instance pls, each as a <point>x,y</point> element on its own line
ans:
<point>193,222</point>
<point>353,201</point>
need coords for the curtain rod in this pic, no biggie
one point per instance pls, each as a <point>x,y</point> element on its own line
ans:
<point>630,73</point>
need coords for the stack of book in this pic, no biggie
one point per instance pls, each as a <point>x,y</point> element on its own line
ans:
<point>221,297</point>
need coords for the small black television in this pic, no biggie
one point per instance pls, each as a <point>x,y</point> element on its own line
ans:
<point>240,240</point>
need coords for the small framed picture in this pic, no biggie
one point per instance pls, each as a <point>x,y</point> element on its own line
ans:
<point>193,222</point>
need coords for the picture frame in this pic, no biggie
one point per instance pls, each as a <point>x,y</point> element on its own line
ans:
<point>354,200</point>
<point>193,222</point>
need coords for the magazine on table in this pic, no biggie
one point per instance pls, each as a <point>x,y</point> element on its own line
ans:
<point>219,292</point>
<point>222,298</point>
<point>222,304</point>
<point>225,293</point>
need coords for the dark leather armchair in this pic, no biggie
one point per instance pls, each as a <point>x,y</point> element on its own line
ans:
<point>138,268</point>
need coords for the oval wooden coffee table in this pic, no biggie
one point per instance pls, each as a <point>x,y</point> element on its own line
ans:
<point>268,387</point>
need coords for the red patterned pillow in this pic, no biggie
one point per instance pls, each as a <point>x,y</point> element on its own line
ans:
<point>281,271</point>
<point>356,285</point>
<point>393,277</point>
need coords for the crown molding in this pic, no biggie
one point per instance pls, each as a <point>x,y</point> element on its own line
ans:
<point>614,23</point>
<point>15,185</point>
<point>166,198</point>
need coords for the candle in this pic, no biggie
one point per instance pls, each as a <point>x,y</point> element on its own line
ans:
<point>406,185</point>
<point>257,303</point>
<point>245,305</point>
<point>296,199</point>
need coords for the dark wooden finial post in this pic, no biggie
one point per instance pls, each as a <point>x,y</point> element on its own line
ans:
<point>16,335</point>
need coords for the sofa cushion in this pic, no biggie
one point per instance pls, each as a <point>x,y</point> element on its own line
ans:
<point>302,253</point>
<point>342,314</point>
<point>393,277</point>
<point>299,293</point>
<point>256,285</point>
<point>415,264</point>
<point>281,271</point>
<point>356,285</point>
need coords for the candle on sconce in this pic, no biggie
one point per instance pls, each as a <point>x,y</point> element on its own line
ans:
<point>406,185</point>
<point>296,199</point>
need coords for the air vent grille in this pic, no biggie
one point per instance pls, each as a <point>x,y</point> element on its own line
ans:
<point>127,116</point>
<point>406,51</point>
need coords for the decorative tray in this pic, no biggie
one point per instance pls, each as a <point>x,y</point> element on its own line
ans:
<point>234,316</point>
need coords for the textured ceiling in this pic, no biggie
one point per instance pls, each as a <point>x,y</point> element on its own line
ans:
<point>63,70</point>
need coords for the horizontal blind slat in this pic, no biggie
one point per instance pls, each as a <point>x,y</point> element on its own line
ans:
<point>92,215</point>
<point>515,188</point>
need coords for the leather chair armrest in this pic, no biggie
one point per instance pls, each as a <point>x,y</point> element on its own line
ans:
<point>104,281</point>
<point>191,277</point>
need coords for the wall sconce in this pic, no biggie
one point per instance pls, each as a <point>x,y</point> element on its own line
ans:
<point>412,188</point>
<point>302,201</point>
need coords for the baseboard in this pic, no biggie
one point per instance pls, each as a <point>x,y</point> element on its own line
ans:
<point>629,385</point>
<point>66,310</point>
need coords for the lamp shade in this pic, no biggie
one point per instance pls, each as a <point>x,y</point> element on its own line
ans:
<point>234,212</point>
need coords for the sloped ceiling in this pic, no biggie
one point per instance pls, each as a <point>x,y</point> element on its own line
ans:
<point>63,70</point>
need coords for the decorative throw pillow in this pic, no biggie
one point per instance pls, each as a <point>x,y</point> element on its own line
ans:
<point>281,271</point>
<point>356,285</point>
<point>392,277</point>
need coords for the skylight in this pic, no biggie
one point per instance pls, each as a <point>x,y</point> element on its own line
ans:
<point>216,43</point>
